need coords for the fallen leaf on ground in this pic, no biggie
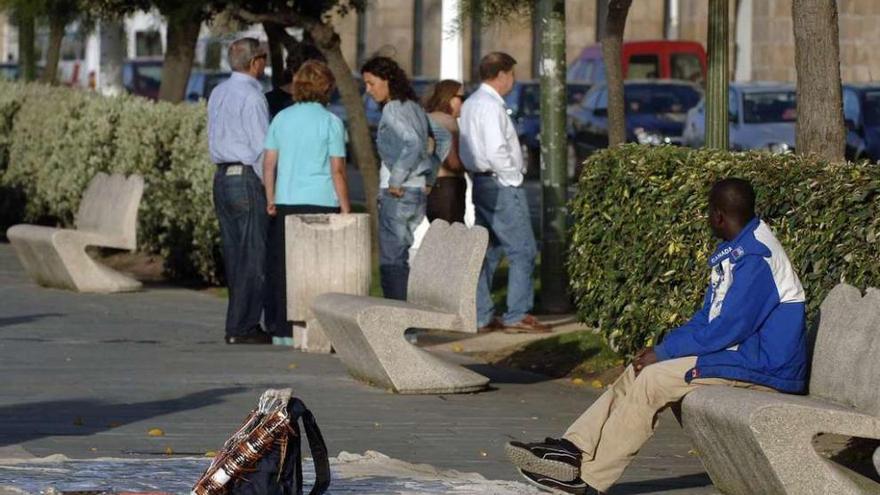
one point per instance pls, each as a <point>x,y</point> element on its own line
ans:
<point>210,453</point>
<point>597,384</point>
<point>577,381</point>
<point>155,432</point>
<point>168,451</point>
<point>292,366</point>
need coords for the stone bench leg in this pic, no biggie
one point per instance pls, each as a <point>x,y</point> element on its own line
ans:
<point>372,346</point>
<point>59,259</point>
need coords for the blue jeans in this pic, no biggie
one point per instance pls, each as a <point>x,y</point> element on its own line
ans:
<point>240,203</point>
<point>398,220</point>
<point>505,213</point>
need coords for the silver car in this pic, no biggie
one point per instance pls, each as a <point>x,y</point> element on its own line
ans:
<point>761,115</point>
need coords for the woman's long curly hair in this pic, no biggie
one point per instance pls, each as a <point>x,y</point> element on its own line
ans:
<point>386,69</point>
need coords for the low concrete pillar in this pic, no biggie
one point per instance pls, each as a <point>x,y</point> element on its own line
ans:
<point>323,253</point>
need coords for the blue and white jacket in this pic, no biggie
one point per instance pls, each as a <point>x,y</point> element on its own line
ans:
<point>751,326</point>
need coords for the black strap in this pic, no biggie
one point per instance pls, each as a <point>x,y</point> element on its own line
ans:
<point>317,447</point>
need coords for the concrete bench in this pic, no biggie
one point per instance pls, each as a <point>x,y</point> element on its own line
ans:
<point>757,442</point>
<point>368,332</point>
<point>107,217</point>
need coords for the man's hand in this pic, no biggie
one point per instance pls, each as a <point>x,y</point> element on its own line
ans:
<point>271,210</point>
<point>397,192</point>
<point>646,357</point>
<point>427,190</point>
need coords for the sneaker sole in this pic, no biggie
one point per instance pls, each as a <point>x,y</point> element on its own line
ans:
<point>525,460</point>
<point>541,487</point>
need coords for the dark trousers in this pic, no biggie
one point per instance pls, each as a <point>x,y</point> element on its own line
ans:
<point>276,300</point>
<point>240,203</point>
<point>447,199</point>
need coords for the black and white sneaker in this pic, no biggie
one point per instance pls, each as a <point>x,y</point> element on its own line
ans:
<point>552,485</point>
<point>556,457</point>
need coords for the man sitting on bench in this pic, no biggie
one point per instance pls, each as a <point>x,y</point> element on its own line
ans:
<point>749,333</point>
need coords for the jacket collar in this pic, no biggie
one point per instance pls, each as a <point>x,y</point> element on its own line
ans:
<point>733,247</point>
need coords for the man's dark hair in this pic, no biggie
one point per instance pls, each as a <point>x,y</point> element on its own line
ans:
<point>493,63</point>
<point>298,55</point>
<point>386,69</point>
<point>734,197</point>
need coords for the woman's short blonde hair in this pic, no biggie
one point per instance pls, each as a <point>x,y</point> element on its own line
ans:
<point>313,82</point>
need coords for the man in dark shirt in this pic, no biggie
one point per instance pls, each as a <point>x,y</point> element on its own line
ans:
<point>281,97</point>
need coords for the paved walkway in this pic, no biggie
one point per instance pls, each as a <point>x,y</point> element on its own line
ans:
<point>88,375</point>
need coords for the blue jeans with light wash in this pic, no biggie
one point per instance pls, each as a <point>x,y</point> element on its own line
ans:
<point>505,213</point>
<point>398,220</point>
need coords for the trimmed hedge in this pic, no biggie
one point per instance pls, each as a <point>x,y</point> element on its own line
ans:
<point>640,242</point>
<point>54,140</point>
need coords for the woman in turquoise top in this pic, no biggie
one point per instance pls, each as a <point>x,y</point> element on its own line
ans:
<point>303,172</point>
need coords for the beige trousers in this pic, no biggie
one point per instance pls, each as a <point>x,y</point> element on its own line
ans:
<point>611,432</point>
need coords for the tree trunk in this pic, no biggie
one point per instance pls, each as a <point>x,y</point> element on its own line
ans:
<point>180,46</point>
<point>275,35</point>
<point>327,40</point>
<point>554,154</point>
<point>26,49</point>
<point>57,26</point>
<point>112,57</point>
<point>820,129</point>
<point>612,41</point>
<point>718,77</point>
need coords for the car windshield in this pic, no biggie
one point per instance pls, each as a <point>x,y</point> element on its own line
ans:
<point>149,75</point>
<point>768,107</point>
<point>660,98</point>
<point>871,108</point>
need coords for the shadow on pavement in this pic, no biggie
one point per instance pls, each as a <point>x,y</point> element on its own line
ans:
<point>16,320</point>
<point>81,417</point>
<point>652,486</point>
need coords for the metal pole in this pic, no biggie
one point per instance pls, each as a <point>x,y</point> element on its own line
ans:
<point>554,169</point>
<point>717,78</point>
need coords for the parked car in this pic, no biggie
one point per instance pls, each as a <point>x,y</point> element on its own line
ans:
<point>143,77</point>
<point>202,82</point>
<point>655,114</point>
<point>761,115</point>
<point>861,114</point>
<point>662,59</point>
<point>524,104</point>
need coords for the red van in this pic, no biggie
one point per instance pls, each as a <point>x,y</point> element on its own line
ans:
<point>659,59</point>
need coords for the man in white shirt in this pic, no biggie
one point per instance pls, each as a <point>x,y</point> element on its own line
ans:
<point>491,153</point>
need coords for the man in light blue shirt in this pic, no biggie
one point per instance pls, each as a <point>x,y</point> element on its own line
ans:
<point>238,117</point>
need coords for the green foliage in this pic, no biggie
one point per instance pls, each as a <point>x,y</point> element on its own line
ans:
<point>54,140</point>
<point>640,242</point>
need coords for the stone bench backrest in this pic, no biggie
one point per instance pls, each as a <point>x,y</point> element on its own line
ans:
<point>110,205</point>
<point>445,270</point>
<point>846,355</point>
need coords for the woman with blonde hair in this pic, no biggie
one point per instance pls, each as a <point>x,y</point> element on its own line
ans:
<point>447,198</point>
<point>304,172</point>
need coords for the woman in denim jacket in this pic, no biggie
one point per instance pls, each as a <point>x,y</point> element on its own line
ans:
<point>408,169</point>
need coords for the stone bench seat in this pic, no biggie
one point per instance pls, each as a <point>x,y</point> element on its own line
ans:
<point>368,332</point>
<point>760,442</point>
<point>107,217</point>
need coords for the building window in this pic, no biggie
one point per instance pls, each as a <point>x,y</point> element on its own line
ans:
<point>148,44</point>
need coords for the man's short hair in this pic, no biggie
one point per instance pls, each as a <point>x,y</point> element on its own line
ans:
<point>242,51</point>
<point>493,63</point>
<point>313,82</point>
<point>734,197</point>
